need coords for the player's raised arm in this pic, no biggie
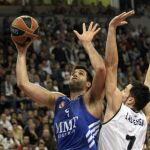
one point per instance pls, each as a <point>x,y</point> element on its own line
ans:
<point>111,56</point>
<point>147,78</point>
<point>147,82</point>
<point>96,60</point>
<point>35,92</point>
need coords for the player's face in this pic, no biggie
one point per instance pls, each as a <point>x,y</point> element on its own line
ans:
<point>126,93</point>
<point>78,75</point>
<point>78,79</point>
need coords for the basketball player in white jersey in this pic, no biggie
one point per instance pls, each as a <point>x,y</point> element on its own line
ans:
<point>125,124</point>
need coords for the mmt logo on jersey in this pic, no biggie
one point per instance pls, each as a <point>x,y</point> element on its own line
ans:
<point>67,127</point>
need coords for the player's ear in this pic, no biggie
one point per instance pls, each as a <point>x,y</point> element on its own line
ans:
<point>131,101</point>
<point>89,84</point>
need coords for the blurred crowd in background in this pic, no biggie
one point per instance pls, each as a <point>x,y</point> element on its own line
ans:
<point>23,123</point>
<point>80,7</point>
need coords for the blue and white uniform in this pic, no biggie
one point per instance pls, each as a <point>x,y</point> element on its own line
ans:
<point>75,127</point>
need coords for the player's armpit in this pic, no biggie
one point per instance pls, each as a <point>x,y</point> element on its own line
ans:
<point>98,84</point>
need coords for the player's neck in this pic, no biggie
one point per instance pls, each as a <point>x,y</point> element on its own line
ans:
<point>134,109</point>
<point>74,95</point>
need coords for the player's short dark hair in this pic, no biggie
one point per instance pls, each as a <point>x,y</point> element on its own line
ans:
<point>89,75</point>
<point>141,94</point>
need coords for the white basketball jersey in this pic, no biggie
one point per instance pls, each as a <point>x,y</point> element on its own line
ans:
<point>125,131</point>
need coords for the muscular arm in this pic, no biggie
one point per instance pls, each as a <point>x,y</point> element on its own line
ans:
<point>96,60</point>
<point>147,82</point>
<point>35,92</point>
<point>111,56</point>
<point>100,72</point>
<point>113,94</point>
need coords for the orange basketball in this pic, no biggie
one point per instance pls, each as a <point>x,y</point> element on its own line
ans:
<point>24,29</point>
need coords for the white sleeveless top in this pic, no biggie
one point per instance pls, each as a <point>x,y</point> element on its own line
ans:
<point>125,131</point>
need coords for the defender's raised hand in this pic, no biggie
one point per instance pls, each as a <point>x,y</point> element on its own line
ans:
<point>121,19</point>
<point>88,34</point>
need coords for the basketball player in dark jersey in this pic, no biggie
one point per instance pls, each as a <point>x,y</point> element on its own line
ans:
<point>125,124</point>
<point>77,118</point>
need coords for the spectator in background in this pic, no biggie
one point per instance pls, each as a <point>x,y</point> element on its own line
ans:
<point>60,54</point>
<point>56,85</point>
<point>25,143</point>
<point>49,139</point>
<point>66,79</point>
<point>9,142</point>
<point>41,145</point>
<point>37,45</point>
<point>17,131</point>
<point>46,66</point>
<point>5,122</point>
<point>8,87</point>
<point>49,85</point>
<point>36,80</point>
<point>57,75</point>
<point>20,119</point>
<point>31,133</point>
<point>2,133</point>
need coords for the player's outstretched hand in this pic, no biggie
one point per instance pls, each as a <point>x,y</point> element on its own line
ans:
<point>87,34</point>
<point>121,19</point>
<point>24,47</point>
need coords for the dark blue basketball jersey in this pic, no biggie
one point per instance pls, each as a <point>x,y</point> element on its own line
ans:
<point>75,127</point>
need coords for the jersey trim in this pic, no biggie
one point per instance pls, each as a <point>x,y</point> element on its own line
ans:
<point>112,116</point>
<point>92,133</point>
<point>134,110</point>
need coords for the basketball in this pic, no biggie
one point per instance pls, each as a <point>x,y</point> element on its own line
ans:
<point>24,29</point>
